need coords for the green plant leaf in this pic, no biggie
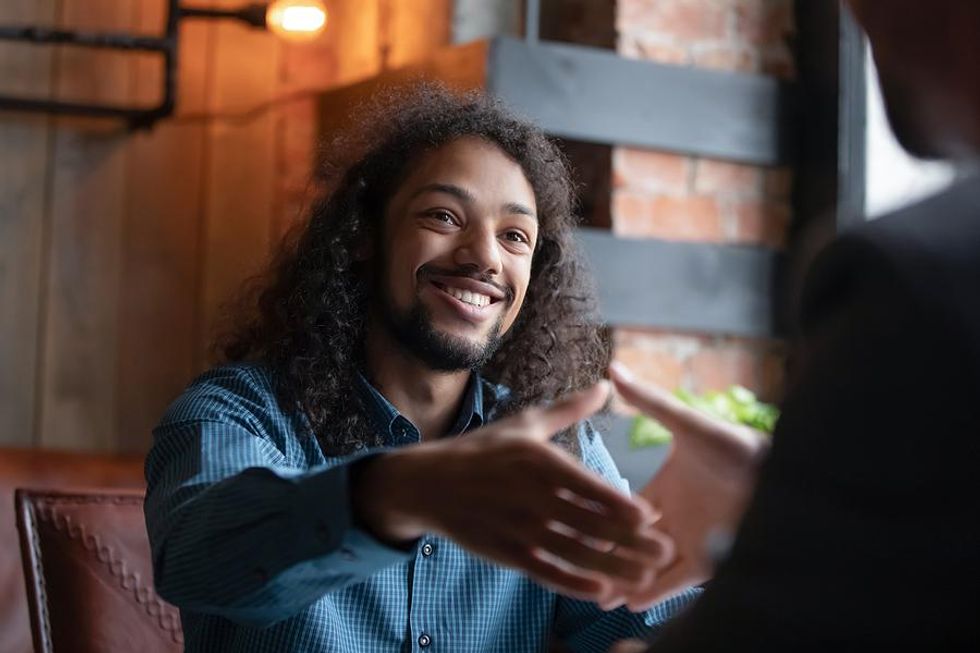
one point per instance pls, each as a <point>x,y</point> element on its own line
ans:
<point>736,404</point>
<point>648,432</point>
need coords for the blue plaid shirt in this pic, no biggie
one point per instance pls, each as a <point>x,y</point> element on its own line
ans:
<point>252,538</point>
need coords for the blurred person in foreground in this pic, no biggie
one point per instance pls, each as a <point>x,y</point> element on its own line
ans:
<point>862,531</point>
<point>311,493</point>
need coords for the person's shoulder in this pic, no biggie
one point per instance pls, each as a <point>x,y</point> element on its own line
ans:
<point>925,253</point>
<point>240,390</point>
<point>943,229</point>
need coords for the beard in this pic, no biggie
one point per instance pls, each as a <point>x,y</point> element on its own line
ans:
<point>414,332</point>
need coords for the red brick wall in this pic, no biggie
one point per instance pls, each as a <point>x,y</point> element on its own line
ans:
<point>672,197</point>
<point>655,194</point>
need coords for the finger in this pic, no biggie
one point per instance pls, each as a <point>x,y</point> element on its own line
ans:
<point>544,422</point>
<point>542,570</point>
<point>564,581</point>
<point>592,523</point>
<point>656,402</point>
<point>676,579</point>
<point>629,646</point>
<point>649,545</point>
<point>618,594</point>
<point>682,420</point>
<point>572,549</point>
<point>579,485</point>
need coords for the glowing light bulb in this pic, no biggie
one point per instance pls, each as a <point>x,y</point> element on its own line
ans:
<point>296,20</point>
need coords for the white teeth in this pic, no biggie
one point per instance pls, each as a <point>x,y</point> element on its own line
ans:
<point>469,297</point>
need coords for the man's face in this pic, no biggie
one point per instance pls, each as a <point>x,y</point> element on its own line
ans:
<point>928,58</point>
<point>458,239</point>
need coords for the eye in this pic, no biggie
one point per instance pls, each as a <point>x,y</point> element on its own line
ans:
<point>517,237</point>
<point>443,216</point>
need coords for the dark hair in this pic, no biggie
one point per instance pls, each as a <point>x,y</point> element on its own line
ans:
<point>308,321</point>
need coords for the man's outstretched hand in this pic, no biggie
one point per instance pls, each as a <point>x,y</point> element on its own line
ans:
<point>507,493</point>
<point>700,491</point>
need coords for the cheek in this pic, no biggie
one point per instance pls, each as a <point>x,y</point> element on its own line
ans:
<point>520,295</point>
<point>400,279</point>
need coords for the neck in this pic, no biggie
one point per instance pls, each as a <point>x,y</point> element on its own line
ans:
<point>429,399</point>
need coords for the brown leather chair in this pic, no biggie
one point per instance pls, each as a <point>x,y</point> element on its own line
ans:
<point>89,576</point>
<point>44,468</point>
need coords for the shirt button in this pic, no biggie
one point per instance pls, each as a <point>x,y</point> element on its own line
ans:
<point>424,640</point>
<point>428,549</point>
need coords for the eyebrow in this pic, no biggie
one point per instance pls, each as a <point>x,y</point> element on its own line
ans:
<point>464,195</point>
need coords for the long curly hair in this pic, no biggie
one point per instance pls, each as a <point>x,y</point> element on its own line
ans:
<point>305,318</point>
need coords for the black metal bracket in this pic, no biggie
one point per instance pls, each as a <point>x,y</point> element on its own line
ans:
<point>167,45</point>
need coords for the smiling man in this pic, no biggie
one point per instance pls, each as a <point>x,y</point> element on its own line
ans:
<point>364,472</point>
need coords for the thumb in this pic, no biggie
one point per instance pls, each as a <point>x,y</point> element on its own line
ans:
<point>655,402</point>
<point>686,423</point>
<point>540,423</point>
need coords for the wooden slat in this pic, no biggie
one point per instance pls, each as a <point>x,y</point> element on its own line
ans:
<point>80,352</point>
<point>592,95</point>
<point>24,144</point>
<point>708,288</point>
<point>160,254</point>
<point>241,168</point>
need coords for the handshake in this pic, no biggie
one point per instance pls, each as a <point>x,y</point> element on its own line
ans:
<point>506,493</point>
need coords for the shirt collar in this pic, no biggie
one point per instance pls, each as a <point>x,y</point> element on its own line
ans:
<point>397,429</point>
<point>471,414</point>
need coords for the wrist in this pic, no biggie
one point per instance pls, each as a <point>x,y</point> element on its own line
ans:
<point>384,497</point>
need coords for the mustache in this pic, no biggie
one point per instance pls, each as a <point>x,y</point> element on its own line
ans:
<point>467,272</point>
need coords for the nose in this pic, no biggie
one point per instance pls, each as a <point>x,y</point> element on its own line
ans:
<point>479,248</point>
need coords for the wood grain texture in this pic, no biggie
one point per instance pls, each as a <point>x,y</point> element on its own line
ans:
<point>24,142</point>
<point>161,249</point>
<point>241,169</point>
<point>80,352</point>
<point>415,29</point>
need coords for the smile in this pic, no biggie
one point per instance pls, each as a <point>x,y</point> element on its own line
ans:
<point>469,304</point>
<point>467,296</point>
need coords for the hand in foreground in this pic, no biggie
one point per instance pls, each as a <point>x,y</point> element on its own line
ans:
<point>702,488</point>
<point>629,646</point>
<point>506,493</point>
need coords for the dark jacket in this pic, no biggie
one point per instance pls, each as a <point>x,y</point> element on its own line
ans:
<point>864,530</point>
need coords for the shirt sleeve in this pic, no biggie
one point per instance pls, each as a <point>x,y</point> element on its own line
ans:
<point>581,625</point>
<point>234,530</point>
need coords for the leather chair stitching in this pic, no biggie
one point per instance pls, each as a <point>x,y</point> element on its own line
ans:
<point>155,608</point>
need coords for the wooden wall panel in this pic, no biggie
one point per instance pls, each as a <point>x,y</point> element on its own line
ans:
<point>161,246</point>
<point>25,141</point>
<point>352,44</point>
<point>118,249</point>
<point>80,351</point>
<point>416,28</point>
<point>241,168</point>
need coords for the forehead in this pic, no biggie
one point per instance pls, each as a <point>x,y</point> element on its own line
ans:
<point>475,164</point>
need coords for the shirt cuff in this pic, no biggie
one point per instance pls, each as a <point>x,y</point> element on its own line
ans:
<point>325,506</point>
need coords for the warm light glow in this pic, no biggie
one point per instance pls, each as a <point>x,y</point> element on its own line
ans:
<point>297,20</point>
